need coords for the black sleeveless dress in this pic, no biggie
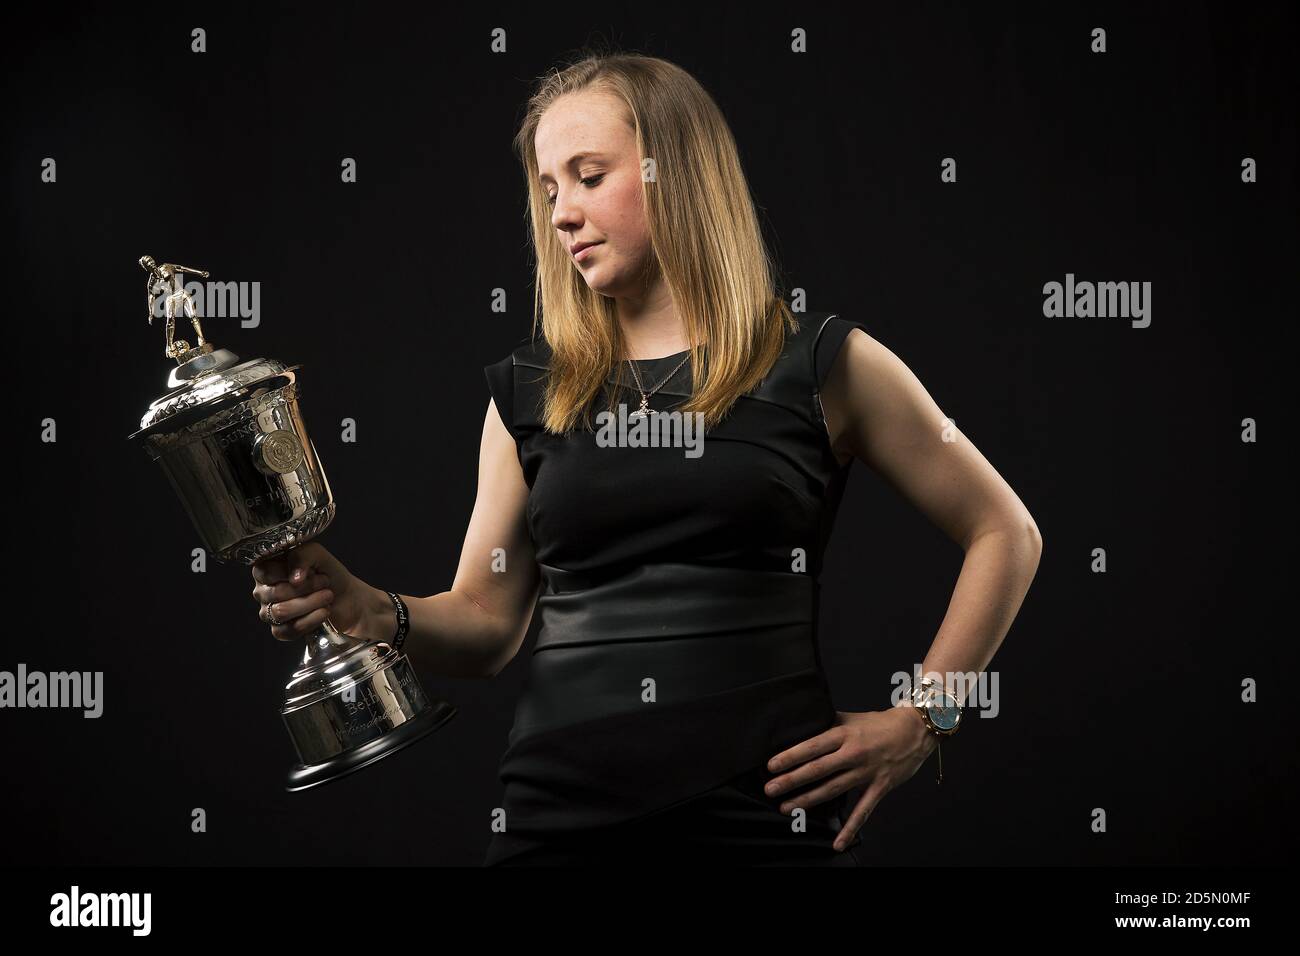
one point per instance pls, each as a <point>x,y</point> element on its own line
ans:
<point>678,645</point>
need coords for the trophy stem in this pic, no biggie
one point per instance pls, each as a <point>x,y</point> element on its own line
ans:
<point>327,641</point>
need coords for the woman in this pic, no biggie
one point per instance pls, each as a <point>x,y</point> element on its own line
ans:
<point>676,706</point>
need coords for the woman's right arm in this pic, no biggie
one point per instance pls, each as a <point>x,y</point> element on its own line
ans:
<point>476,628</point>
<point>471,630</point>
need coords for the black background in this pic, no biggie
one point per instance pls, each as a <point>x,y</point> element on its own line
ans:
<point>1119,691</point>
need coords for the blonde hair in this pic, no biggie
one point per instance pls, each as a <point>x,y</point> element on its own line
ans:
<point>704,233</point>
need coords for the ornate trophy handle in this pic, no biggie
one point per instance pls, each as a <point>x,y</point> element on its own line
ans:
<point>166,280</point>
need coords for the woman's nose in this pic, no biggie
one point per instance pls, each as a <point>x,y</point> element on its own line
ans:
<point>565,215</point>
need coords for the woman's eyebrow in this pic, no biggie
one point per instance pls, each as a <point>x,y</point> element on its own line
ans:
<point>575,158</point>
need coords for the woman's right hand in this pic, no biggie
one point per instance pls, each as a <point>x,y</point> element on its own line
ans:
<point>304,586</point>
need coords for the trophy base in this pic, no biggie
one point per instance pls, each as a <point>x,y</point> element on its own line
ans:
<point>305,776</point>
<point>351,703</point>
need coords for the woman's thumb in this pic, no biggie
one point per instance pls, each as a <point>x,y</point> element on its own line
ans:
<point>308,557</point>
<point>297,565</point>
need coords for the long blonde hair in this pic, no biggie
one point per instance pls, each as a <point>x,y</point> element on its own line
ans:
<point>704,232</point>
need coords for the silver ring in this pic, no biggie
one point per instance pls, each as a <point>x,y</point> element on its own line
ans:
<point>271,617</point>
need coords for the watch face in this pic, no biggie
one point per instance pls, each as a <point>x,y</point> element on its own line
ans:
<point>944,713</point>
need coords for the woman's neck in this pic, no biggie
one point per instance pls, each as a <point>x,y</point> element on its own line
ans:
<point>652,327</point>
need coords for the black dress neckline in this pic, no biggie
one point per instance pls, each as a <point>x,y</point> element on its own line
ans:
<point>659,358</point>
<point>665,358</point>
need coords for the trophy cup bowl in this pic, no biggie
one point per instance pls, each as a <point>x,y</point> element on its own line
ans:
<point>231,440</point>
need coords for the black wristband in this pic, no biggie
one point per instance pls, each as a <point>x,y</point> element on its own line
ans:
<point>403,620</point>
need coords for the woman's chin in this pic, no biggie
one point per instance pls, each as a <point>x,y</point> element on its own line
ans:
<point>595,285</point>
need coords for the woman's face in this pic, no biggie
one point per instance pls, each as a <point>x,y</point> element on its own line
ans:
<point>589,169</point>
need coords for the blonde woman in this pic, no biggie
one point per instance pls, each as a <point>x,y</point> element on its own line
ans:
<point>676,707</point>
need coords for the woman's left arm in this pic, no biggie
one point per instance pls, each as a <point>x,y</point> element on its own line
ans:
<point>879,412</point>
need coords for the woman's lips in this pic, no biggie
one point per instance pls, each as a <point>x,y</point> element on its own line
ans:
<point>584,252</point>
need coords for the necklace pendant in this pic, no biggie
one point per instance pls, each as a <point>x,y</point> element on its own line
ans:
<point>641,412</point>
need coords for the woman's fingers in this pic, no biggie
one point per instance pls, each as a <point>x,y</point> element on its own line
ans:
<point>284,590</point>
<point>286,611</point>
<point>862,809</point>
<point>269,570</point>
<point>301,626</point>
<point>831,788</point>
<point>304,559</point>
<point>295,597</point>
<point>821,755</point>
<point>293,565</point>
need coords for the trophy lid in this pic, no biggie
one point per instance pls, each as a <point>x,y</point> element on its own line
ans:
<point>205,378</point>
<point>205,382</point>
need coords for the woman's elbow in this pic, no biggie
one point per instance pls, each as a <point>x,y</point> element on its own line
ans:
<point>1034,538</point>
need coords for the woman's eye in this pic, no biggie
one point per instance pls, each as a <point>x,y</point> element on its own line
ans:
<point>589,181</point>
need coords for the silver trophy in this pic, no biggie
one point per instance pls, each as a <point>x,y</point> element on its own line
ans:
<point>231,440</point>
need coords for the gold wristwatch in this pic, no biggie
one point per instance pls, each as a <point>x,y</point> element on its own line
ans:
<point>939,709</point>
